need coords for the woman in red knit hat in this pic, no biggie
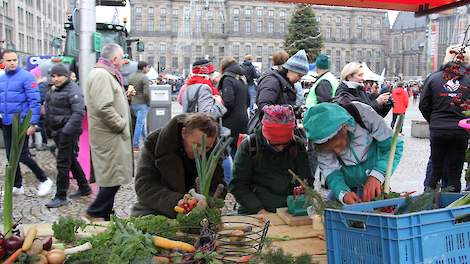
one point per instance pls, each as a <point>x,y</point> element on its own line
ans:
<point>261,182</point>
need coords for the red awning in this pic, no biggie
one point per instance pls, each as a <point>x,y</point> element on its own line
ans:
<point>420,7</point>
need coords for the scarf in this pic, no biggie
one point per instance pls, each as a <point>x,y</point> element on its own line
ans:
<point>194,79</point>
<point>353,85</point>
<point>107,65</point>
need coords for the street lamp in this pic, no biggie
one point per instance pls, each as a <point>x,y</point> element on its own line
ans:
<point>420,66</point>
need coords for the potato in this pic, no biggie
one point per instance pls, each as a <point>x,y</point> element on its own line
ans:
<point>236,236</point>
<point>36,247</point>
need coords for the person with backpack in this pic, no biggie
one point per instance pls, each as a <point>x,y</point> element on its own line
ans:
<point>261,181</point>
<point>351,89</point>
<point>199,93</point>
<point>325,85</point>
<point>276,87</point>
<point>251,75</point>
<point>353,145</point>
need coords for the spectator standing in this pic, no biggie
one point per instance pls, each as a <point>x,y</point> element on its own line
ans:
<point>19,93</point>
<point>325,85</point>
<point>251,75</point>
<point>400,103</point>
<point>43,88</point>
<point>110,132</point>
<point>448,141</point>
<point>65,109</point>
<point>140,101</point>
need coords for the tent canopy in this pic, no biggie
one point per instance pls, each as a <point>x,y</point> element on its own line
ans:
<point>420,7</point>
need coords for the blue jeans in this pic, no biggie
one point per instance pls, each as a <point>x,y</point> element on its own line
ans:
<point>252,94</point>
<point>227,165</point>
<point>140,111</point>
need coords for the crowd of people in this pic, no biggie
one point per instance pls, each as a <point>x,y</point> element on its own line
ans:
<point>338,127</point>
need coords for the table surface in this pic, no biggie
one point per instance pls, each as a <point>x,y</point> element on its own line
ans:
<point>296,240</point>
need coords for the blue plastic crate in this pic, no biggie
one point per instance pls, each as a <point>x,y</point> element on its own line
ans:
<point>357,235</point>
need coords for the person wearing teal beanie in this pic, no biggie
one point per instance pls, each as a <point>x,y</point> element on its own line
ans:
<point>352,152</point>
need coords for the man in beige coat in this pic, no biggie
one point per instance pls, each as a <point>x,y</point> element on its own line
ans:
<point>110,133</point>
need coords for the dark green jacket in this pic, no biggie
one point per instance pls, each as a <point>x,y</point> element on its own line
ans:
<point>264,182</point>
<point>160,178</point>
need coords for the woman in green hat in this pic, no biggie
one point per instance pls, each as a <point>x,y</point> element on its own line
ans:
<point>352,151</point>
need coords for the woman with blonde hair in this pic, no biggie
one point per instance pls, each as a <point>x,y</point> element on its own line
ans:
<point>352,89</point>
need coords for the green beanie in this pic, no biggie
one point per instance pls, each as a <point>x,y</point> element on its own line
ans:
<point>323,121</point>
<point>322,62</point>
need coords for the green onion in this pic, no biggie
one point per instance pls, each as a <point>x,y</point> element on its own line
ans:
<point>18,135</point>
<point>391,157</point>
<point>464,200</point>
<point>206,165</point>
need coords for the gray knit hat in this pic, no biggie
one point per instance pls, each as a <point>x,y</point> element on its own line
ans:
<point>297,63</point>
<point>60,69</point>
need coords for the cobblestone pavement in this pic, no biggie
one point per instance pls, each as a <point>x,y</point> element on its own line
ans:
<point>31,209</point>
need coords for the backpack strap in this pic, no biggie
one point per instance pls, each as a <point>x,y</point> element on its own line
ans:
<point>282,82</point>
<point>352,110</point>
<point>192,103</point>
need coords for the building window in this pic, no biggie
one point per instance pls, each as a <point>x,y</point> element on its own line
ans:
<point>162,24</point>
<point>162,48</point>
<point>338,33</point>
<point>282,27</point>
<point>210,51</point>
<point>162,62</point>
<point>259,51</point>
<point>138,11</point>
<point>247,12</point>
<point>338,21</point>
<point>174,25</point>
<point>247,49</point>
<point>236,11</point>
<point>247,26</point>
<point>347,57</point>
<point>328,20</point>
<point>198,48</point>
<point>210,26</point>
<point>198,26</point>
<point>187,28</point>
<point>162,11</point>
<point>271,13</point>
<point>236,26</point>
<point>359,33</point>
<point>150,25</point>
<point>270,27</point>
<point>151,59</point>
<point>328,33</point>
<point>359,55</point>
<point>174,12</point>
<point>282,13</point>
<point>259,12</point>
<point>174,63</point>
<point>359,21</point>
<point>259,26</point>
<point>199,13</point>
<point>151,12</point>
<point>396,47</point>
<point>221,51</point>
<point>138,24</point>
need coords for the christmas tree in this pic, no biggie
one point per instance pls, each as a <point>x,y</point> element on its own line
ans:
<point>304,33</point>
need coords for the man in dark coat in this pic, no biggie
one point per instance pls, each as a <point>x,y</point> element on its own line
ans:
<point>251,75</point>
<point>167,169</point>
<point>65,109</point>
<point>234,92</point>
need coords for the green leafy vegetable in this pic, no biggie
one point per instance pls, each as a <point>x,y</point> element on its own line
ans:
<point>66,228</point>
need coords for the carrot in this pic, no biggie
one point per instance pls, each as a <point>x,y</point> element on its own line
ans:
<point>165,243</point>
<point>13,256</point>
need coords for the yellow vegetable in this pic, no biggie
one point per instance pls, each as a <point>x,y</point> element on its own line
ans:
<point>165,243</point>
<point>179,210</point>
<point>28,240</point>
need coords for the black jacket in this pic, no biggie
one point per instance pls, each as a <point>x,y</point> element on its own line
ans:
<point>163,171</point>
<point>275,89</point>
<point>435,103</point>
<point>250,72</point>
<point>65,109</point>
<point>346,94</point>
<point>324,91</point>
<point>234,92</point>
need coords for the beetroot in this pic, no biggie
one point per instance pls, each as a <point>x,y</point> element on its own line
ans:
<point>47,243</point>
<point>13,243</point>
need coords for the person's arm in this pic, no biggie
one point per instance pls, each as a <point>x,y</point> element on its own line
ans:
<point>148,187</point>
<point>33,97</point>
<point>77,107</point>
<point>146,88</point>
<point>324,91</point>
<point>425,101</point>
<point>228,95</point>
<point>103,92</point>
<point>241,182</point>
<point>330,166</point>
<point>207,104</point>
<point>383,134</point>
<point>267,92</point>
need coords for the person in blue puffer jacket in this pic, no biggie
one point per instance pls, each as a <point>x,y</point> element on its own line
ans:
<point>19,93</point>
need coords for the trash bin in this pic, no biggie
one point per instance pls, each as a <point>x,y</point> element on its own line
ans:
<point>419,129</point>
<point>160,107</point>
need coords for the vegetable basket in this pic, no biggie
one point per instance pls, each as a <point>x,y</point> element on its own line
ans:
<point>358,234</point>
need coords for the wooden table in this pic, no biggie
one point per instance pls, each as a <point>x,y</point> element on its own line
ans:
<point>298,239</point>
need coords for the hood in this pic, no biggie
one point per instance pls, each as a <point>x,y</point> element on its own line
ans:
<point>235,68</point>
<point>169,140</point>
<point>323,121</point>
<point>399,90</point>
<point>247,63</point>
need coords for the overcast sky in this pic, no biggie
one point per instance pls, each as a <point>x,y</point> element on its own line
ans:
<point>106,14</point>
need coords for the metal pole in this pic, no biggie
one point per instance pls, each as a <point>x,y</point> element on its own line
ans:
<point>87,56</point>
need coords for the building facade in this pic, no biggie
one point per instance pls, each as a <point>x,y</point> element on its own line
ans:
<point>407,47</point>
<point>29,26</point>
<point>178,32</point>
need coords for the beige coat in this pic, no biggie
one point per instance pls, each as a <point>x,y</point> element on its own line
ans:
<point>109,128</point>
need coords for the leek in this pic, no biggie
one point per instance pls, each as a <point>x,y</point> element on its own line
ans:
<point>206,166</point>
<point>464,200</point>
<point>18,135</point>
<point>391,157</point>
